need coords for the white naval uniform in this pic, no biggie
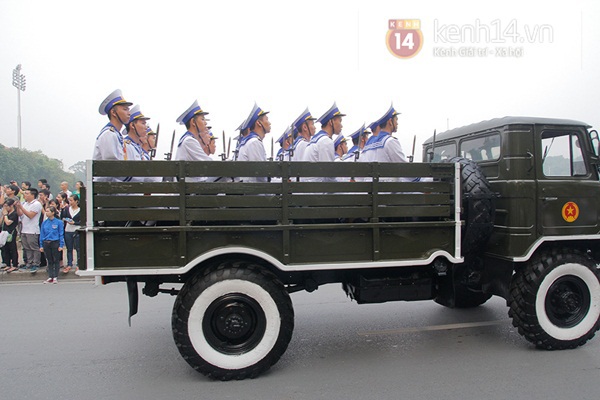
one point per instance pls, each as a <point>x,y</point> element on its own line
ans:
<point>350,156</point>
<point>133,150</point>
<point>286,156</point>
<point>299,148</point>
<point>252,149</point>
<point>110,146</point>
<point>189,149</point>
<point>384,148</point>
<point>280,155</point>
<point>136,152</point>
<point>320,149</point>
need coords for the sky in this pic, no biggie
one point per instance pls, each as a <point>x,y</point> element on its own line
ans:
<point>477,61</point>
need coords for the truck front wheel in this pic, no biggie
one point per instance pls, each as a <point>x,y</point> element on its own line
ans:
<point>555,300</point>
<point>233,322</point>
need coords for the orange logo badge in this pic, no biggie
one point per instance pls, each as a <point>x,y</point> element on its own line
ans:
<point>570,211</point>
<point>404,38</point>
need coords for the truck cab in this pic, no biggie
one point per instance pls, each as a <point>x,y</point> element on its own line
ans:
<point>544,172</point>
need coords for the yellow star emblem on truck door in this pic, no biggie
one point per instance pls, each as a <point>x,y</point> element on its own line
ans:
<point>570,211</point>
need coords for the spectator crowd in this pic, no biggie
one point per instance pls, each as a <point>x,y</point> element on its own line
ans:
<point>43,225</point>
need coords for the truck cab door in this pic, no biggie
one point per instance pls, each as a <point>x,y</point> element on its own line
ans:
<point>568,189</point>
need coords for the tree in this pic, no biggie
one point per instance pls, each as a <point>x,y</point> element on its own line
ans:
<point>24,165</point>
<point>79,170</point>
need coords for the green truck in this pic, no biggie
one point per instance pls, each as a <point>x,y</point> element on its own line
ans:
<point>506,207</point>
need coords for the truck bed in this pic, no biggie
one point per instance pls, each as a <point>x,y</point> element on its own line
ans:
<point>371,218</point>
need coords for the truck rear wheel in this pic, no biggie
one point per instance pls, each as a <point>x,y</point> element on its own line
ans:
<point>555,300</point>
<point>233,322</point>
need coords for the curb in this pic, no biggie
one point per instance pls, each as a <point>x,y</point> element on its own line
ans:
<point>40,275</point>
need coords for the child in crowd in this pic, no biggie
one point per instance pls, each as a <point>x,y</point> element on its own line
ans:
<point>52,242</point>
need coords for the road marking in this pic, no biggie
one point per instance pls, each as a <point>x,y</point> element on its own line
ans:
<point>465,325</point>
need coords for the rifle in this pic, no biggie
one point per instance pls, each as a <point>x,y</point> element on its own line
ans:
<point>170,153</point>
<point>432,148</point>
<point>291,148</point>
<point>228,148</point>
<point>224,155</point>
<point>153,150</point>
<point>412,156</point>
<point>356,156</point>
<point>272,147</point>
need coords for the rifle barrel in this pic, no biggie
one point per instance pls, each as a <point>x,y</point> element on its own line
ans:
<point>170,153</point>
<point>433,146</point>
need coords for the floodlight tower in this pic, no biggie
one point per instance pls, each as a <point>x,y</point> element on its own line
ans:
<point>19,83</point>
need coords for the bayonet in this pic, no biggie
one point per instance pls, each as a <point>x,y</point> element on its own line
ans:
<point>153,150</point>
<point>432,148</point>
<point>292,148</point>
<point>224,155</point>
<point>170,153</point>
<point>412,156</point>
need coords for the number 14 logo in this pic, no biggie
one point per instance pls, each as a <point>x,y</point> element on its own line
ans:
<point>404,38</point>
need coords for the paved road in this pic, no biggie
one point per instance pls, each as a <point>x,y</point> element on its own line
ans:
<point>72,341</point>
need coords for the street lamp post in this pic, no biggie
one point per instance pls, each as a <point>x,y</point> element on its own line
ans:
<point>19,83</point>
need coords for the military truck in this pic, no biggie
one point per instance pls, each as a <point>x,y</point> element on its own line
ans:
<point>506,207</point>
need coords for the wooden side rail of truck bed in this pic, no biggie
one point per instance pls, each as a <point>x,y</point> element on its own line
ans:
<point>375,212</point>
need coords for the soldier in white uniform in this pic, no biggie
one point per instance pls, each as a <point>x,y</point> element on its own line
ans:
<point>374,127</point>
<point>149,151</point>
<point>212,144</point>
<point>321,147</point>
<point>243,128</point>
<point>149,144</point>
<point>304,129</point>
<point>340,147</point>
<point>109,143</point>
<point>194,143</point>
<point>359,139</point>
<point>251,147</point>
<point>383,147</point>
<point>285,141</point>
<point>137,131</point>
<point>136,134</point>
